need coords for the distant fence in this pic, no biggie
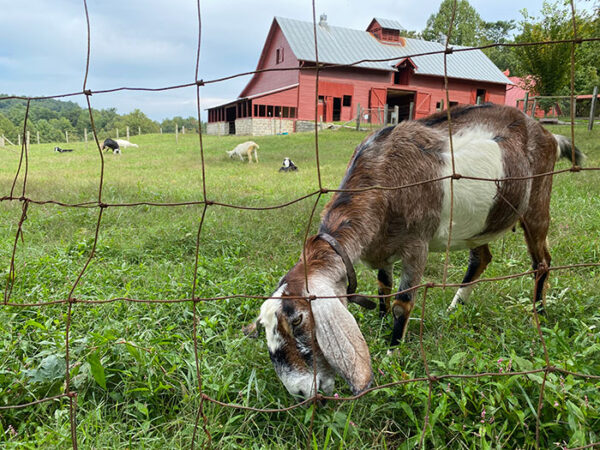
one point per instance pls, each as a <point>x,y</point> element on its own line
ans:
<point>19,194</point>
<point>37,138</point>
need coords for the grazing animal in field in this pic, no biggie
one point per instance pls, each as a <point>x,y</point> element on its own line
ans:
<point>381,226</point>
<point>245,149</point>
<point>62,150</point>
<point>124,143</point>
<point>110,144</point>
<point>288,166</point>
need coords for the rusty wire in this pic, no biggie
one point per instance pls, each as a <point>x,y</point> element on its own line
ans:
<point>71,299</point>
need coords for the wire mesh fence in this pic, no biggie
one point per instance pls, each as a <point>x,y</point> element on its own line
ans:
<point>19,194</point>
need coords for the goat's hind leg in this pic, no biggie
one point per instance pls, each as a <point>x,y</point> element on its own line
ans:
<point>479,258</point>
<point>537,244</point>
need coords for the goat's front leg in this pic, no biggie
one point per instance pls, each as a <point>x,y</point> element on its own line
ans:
<point>413,266</point>
<point>385,283</point>
<point>479,258</point>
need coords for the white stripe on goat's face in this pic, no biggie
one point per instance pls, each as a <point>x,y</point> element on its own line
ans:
<point>289,340</point>
<point>476,154</point>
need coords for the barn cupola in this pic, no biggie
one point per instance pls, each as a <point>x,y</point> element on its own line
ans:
<point>387,31</point>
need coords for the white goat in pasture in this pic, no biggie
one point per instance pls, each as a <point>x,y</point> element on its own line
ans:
<point>381,226</point>
<point>245,149</point>
<point>123,143</point>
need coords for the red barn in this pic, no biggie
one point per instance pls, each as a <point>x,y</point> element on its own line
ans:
<point>284,100</point>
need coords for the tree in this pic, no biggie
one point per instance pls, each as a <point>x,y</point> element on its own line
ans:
<point>547,66</point>
<point>499,33</point>
<point>467,26</point>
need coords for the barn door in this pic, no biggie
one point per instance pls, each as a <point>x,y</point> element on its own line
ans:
<point>377,98</point>
<point>423,105</point>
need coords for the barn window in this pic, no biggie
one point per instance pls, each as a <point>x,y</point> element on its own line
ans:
<point>321,99</point>
<point>270,111</point>
<point>347,100</point>
<point>286,111</point>
<point>278,111</point>
<point>279,55</point>
<point>293,113</point>
<point>480,96</point>
<point>262,110</point>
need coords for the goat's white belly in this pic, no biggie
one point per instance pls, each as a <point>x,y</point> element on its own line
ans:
<point>475,155</point>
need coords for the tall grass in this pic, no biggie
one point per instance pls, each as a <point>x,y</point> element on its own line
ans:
<point>133,365</point>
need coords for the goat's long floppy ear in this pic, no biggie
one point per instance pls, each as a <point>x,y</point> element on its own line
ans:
<point>342,343</point>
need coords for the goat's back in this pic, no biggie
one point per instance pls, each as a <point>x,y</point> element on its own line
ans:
<point>489,142</point>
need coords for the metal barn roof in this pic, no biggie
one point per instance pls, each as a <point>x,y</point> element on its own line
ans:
<point>339,45</point>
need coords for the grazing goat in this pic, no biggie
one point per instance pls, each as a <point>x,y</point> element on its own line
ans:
<point>245,148</point>
<point>110,144</point>
<point>62,150</point>
<point>288,166</point>
<point>123,143</point>
<point>381,226</point>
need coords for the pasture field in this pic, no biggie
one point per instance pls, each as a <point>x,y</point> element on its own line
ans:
<point>133,364</point>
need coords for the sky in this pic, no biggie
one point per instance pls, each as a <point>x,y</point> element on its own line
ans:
<point>153,44</point>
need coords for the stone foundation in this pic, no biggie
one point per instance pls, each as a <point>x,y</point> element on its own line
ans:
<point>217,128</point>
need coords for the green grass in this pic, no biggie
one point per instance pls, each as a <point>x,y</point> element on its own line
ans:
<point>133,365</point>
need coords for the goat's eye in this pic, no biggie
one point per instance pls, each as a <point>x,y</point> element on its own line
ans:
<point>297,321</point>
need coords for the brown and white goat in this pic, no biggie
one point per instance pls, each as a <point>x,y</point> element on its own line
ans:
<point>381,226</point>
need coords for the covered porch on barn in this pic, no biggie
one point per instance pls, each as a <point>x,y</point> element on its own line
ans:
<point>272,112</point>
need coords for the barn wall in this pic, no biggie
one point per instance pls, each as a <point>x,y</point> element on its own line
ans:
<point>268,81</point>
<point>282,98</point>
<point>217,128</point>
<point>332,83</point>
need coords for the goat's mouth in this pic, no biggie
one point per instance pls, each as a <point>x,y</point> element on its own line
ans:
<point>302,384</point>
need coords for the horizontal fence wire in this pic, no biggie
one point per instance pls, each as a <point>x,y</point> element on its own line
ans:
<point>202,420</point>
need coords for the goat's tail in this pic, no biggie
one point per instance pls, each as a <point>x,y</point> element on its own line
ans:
<point>566,150</point>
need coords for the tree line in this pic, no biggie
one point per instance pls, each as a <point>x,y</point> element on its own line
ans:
<point>52,118</point>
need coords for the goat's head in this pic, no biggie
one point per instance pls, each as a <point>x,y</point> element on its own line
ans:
<point>306,347</point>
<point>230,153</point>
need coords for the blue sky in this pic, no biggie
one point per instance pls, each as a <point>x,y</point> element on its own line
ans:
<point>151,43</point>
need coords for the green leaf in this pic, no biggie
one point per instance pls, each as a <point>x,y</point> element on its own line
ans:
<point>97,369</point>
<point>52,367</point>
<point>456,359</point>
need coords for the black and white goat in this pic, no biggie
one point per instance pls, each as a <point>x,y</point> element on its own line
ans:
<point>62,150</point>
<point>110,144</point>
<point>381,226</point>
<point>288,165</point>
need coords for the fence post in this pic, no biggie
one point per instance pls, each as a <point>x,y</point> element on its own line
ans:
<point>160,130</point>
<point>127,132</point>
<point>386,112</point>
<point>38,137</point>
<point>67,136</point>
<point>182,129</point>
<point>411,110</point>
<point>85,136</point>
<point>396,114</point>
<point>19,136</point>
<point>525,100</point>
<point>593,108</point>
<point>117,133</point>
<point>357,117</point>
<point>28,139</point>
<point>176,134</point>
<point>533,107</point>
<point>139,131</point>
